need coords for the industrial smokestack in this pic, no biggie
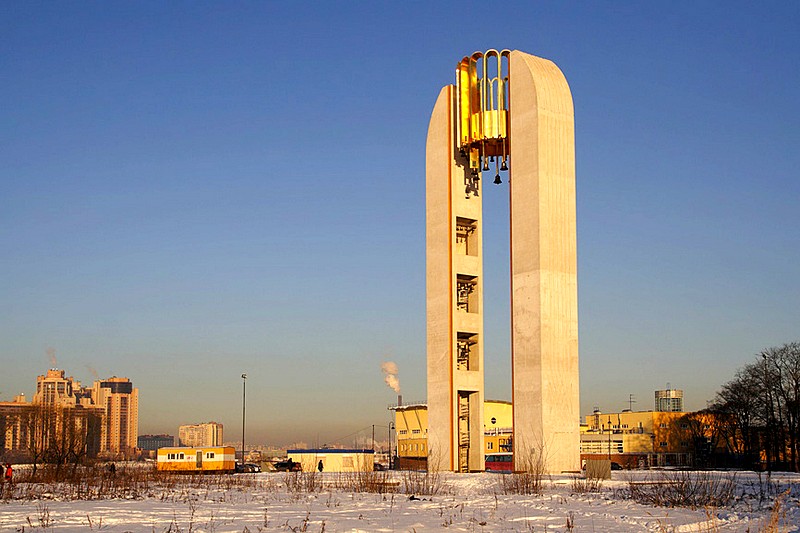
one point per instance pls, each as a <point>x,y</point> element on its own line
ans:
<point>399,400</point>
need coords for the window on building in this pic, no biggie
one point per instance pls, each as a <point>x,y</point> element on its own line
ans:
<point>662,444</point>
<point>416,431</point>
<point>403,431</point>
<point>209,455</point>
<point>181,456</point>
<point>490,445</point>
<point>662,425</point>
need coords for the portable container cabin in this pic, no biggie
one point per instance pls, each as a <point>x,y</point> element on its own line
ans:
<point>206,459</point>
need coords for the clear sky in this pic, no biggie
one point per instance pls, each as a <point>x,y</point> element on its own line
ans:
<point>193,190</point>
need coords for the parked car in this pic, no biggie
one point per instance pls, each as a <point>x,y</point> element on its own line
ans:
<point>288,466</point>
<point>248,468</point>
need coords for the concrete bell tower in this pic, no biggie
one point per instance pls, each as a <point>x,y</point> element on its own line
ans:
<point>511,111</point>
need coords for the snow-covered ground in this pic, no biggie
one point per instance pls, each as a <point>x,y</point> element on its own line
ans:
<point>466,502</point>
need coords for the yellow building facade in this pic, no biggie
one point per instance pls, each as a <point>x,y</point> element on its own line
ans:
<point>411,425</point>
<point>633,439</point>
<point>637,438</point>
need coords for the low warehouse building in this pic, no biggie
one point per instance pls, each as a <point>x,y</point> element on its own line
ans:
<point>334,460</point>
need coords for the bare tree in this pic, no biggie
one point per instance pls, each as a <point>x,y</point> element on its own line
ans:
<point>738,403</point>
<point>762,405</point>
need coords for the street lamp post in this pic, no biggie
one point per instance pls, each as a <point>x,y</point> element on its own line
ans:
<point>244,396</point>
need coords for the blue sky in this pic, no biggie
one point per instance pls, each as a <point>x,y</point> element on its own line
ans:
<point>192,190</point>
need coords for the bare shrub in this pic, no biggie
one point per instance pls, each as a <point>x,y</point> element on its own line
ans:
<point>528,481</point>
<point>685,489</point>
<point>299,482</point>
<point>378,482</point>
<point>422,482</point>
<point>581,485</point>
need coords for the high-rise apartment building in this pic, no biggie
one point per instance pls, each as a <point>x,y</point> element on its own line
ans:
<point>55,389</point>
<point>106,414</point>
<point>120,400</point>
<point>197,435</point>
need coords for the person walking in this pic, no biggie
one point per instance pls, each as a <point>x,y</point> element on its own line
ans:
<point>9,473</point>
<point>319,465</point>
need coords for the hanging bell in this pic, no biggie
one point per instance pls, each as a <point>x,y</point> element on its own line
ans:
<point>504,166</point>
<point>497,180</point>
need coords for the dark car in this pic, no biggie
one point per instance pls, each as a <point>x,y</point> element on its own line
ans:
<point>247,468</point>
<point>616,466</point>
<point>288,466</point>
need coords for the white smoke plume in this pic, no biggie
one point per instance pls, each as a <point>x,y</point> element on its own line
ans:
<point>390,370</point>
<point>51,353</point>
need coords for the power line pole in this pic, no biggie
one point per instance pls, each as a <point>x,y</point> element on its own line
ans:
<point>244,404</point>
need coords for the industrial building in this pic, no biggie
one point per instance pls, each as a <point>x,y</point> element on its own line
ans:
<point>411,427</point>
<point>669,400</point>
<point>632,439</point>
<point>638,438</point>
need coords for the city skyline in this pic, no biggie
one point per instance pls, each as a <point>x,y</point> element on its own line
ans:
<point>189,193</point>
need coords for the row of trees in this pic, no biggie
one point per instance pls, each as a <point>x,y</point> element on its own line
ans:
<point>47,433</point>
<point>757,413</point>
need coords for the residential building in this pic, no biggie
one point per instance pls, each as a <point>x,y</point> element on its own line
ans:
<point>120,400</point>
<point>198,435</point>
<point>154,442</point>
<point>105,415</point>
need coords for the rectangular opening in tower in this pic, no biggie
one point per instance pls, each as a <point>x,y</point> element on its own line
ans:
<point>467,351</point>
<point>466,236</point>
<point>467,293</point>
<point>463,431</point>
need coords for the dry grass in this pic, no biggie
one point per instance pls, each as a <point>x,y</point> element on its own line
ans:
<point>378,482</point>
<point>685,489</point>
<point>422,482</point>
<point>129,482</point>
<point>582,485</point>
<point>530,480</point>
<point>300,482</point>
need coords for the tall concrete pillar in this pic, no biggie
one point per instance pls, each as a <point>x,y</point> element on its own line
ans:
<point>518,111</point>
<point>544,294</point>
<point>454,301</point>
